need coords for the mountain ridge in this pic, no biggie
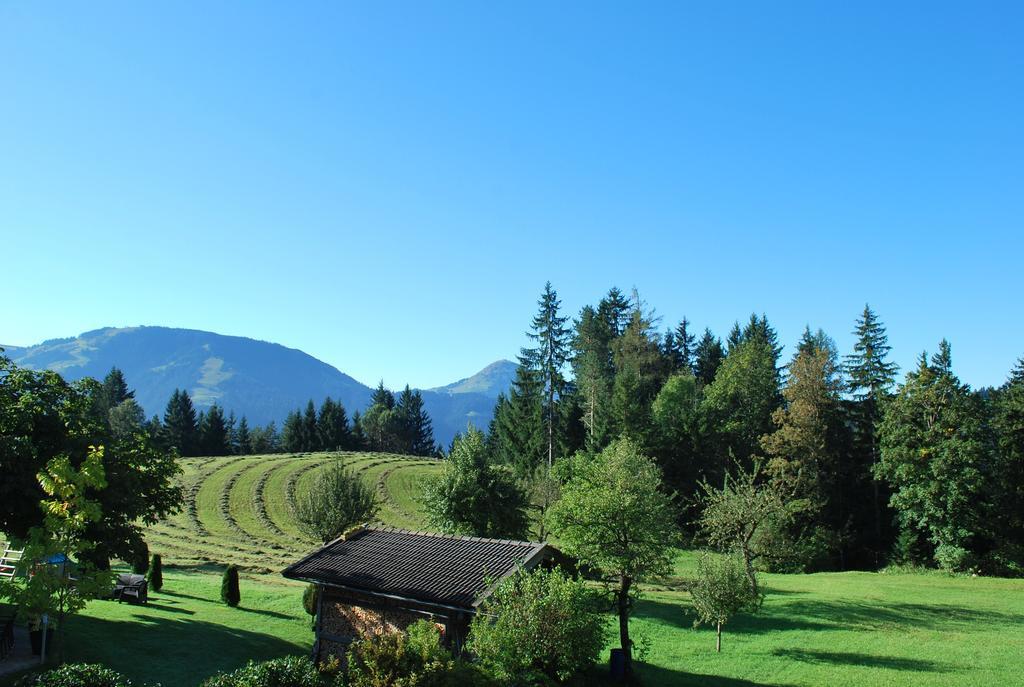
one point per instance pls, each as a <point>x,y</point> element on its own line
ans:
<point>262,380</point>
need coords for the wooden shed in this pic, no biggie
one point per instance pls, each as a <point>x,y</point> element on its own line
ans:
<point>384,579</point>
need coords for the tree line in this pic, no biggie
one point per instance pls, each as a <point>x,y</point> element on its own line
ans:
<point>389,424</point>
<point>871,471</point>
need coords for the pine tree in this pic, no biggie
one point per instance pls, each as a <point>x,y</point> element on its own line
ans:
<point>735,338</point>
<point>548,361</point>
<point>707,357</point>
<point>640,370</point>
<point>243,444</point>
<point>869,379</point>
<point>214,437</point>
<point>517,428</point>
<point>415,428</point>
<point>595,374</point>
<point>232,424</point>
<point>332,426</point>
<point>933,453</point>
<point>291,433</point>
<point>310,436</point>
<point>684,345</point>
<point>180,428</point>
<point>359,441</point>
<point>615,310</point>
<point>382,397</point>
<point>229,591</point>
<point>113,392</point>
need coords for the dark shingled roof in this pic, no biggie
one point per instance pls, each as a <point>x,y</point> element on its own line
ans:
<point>422,566</point>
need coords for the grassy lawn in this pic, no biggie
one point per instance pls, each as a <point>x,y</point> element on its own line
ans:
<point>830,629</point>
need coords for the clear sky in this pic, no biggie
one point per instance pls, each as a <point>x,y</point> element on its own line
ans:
<point>387,186</point>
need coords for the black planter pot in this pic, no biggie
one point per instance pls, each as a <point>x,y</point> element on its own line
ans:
<point>36,637</point>
<point>617,665</point>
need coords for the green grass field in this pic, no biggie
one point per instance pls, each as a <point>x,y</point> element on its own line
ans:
<point>859,629</point>
<point>240,509</point>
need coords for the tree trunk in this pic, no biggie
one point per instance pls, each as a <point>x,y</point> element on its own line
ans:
<point>718,639</point>
<point>625,582</point>
<point>748,564</point>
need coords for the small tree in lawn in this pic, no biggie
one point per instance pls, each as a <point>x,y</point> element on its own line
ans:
<point>229,592</point>
<point>720,591</point>
<point>337,501</point>
<point>746,517</point>
<point>156,573</point>
<point>614,517</point>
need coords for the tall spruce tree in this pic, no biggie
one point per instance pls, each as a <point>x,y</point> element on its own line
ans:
<point>548,360</point>
<point>517,428</point>
<point>291,433</point>
<point>214,436</point>
<point>332,426</point>
<point>933,453</point>
<point>683,347</point>
<point>179,426</point>
<point>707,357</point>
<point>594,372</point>
<point>243,443</point>
<point>870,377</point>
<point>310,435</point>
<point>640,370</point>
<point>416,432</point>
<point>359,441</point>
<point>114,391</point>
<point>616,310</point>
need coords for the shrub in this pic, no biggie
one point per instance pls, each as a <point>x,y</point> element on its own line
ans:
<point>77,675</point>
<point>538,626</point>
<point>140,559</point>
<point>309,598</point>
<point>156,573</point>
<point>229,592</point>
<point>338,500</point>
<point>409,659</point>
<point>292,671</point>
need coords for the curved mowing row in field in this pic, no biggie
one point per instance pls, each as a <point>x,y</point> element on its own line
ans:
<point>241,509</point>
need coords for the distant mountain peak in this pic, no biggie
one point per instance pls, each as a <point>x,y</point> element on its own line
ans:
<point>262,380</point>
<point>494,379</point>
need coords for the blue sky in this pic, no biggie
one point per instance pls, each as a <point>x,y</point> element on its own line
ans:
<point>387,186</point>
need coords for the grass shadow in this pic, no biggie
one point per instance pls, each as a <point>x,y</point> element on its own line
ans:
<point>768,620</point>
<point>889,615</point>
<point>151,649</point>
<point>859,659</point>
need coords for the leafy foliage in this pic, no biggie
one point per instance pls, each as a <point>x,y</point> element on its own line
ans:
<point>745,517</point>
<point>614,517</point>
<point>721,590</point>
<point>77,675</point>
<point>413,658</point>
<point>474,496</point>
<point>538,624</point>
<point>291,671</point>
<point>337,501</point>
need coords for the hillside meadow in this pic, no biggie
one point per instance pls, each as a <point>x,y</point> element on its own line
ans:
<point>856,628</point>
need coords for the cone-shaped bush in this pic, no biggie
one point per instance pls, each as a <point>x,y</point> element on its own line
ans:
<point>309,599</point>
<point>229,593</point>
<point>156,573</point>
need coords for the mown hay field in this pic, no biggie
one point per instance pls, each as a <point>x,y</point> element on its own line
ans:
<point>240,509</point>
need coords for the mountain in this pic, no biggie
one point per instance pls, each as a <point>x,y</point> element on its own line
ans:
<point>490,381</point>
<point>263,381</point>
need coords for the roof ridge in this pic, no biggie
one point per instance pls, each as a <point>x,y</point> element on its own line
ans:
<point>458,537</point>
